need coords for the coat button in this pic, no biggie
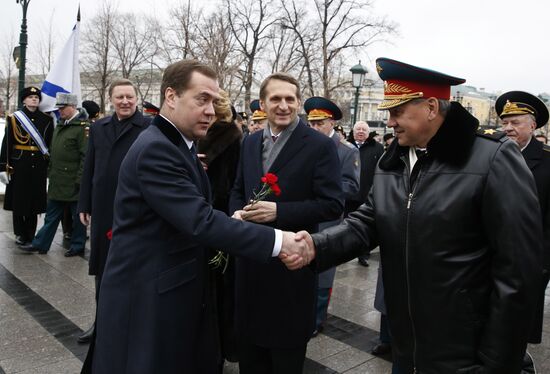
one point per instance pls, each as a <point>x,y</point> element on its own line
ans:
<point>64,168</point>
<point>32,154</point>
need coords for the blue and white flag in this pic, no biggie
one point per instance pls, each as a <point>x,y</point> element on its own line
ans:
<point>65,73</point>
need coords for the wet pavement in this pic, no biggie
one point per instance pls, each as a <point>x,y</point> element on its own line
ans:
<point>46,301</point>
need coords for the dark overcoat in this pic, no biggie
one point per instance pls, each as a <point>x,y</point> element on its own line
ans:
<point>310,180</point>
<point>537,157</point>
<point>154,306</point>
<point>100,179</point>
<point>26,191</point>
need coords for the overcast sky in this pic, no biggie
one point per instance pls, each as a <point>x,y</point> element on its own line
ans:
<point>498,45</point>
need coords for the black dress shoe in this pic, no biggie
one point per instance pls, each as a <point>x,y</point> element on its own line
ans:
<point>27,247</point>
<point>86,336</point>
<point>381,349</point>
<point>363,262</point>
<point>72,253</point>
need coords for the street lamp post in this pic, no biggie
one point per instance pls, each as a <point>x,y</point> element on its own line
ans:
<point>22,49</point>
<point>358,73</point>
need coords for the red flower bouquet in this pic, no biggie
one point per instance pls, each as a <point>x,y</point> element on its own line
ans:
<point>269,186</point>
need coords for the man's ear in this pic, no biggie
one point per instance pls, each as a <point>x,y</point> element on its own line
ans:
<point>262,105</point>
<point>433,108</point>
<point>170,97</point>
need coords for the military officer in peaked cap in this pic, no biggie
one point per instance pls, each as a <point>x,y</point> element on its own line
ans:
<point>458,282</point>
<point>321,115</point>
<point>150,109</point>
<point>521,113</point>
<point>258,119</point>
<point>24,156</point>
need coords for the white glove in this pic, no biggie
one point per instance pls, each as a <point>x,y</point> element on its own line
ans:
<point>4,178</point>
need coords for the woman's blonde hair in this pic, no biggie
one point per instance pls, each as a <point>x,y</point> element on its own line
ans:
<point>222,107</point>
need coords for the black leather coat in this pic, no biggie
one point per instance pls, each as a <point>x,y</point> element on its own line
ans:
<point>461,250</point>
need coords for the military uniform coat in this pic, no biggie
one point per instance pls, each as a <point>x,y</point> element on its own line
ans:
<point>69,145</point>
<point>100,179</point>
<point>26,192</point>
<point>275,307</point>
<point>537,157</point>
<point>350,166</point>
<point>154,308</point>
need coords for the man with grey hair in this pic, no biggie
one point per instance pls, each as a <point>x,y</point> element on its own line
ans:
<point>68,149</point>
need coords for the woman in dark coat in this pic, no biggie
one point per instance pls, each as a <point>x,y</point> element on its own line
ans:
<point>221,149</point>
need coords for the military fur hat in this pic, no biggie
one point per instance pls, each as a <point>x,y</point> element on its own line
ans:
<point>64,99</point>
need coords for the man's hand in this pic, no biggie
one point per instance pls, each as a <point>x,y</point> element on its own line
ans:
<point>296,251</point>
<point>260,212</point>
<point>85,218</point>
<point>202,159</point>
<point>238,215</point>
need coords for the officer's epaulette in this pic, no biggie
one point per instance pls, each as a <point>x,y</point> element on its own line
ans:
<point>491,134</point>
<point>83,123</point>
<point>546,148</point>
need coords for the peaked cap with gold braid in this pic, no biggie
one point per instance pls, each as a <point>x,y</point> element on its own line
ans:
<point>515,103</point>
<point>318,108</point>
<point>257,113</point>
<point>404,82</point>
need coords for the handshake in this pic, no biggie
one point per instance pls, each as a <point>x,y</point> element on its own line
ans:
<point>297,250</point>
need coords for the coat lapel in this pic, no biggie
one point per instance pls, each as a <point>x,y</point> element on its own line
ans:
<point>137,121</point>
<point>255,157</point>
<point>199,175</point>
<point>293,145</point>
<point>533,153</point>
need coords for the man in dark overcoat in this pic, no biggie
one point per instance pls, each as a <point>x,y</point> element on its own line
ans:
<point>108,142</point>
<point>306,163</point>
<point>456,216</point>
<point>521,113</point>
<point>155,306</point>
<point>321,115</point>
<point>25,156</point>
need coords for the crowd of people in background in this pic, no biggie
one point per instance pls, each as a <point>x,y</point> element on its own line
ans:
<point>456,232</point>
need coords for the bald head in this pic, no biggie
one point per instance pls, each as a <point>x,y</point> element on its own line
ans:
<point>361,131</point>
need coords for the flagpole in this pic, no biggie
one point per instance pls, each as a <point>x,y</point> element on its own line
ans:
<point>22,50</point>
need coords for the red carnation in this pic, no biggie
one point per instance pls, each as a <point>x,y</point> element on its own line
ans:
<point>269,185</point>
<point>110,234</point>
<point>270,179</point>
<point>276,189</point>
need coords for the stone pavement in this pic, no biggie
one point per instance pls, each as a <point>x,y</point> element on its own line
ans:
<point>46,301</point>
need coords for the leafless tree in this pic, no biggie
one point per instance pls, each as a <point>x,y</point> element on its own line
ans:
<point>216,46</point>
<point>176,40</point>
<point>346,25</point>
<point>133,41</point>
<point>250,22</point>
<point>45,47</point>
<point>97,62</point>
<point>7,70</point>
<point>305,35</point>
